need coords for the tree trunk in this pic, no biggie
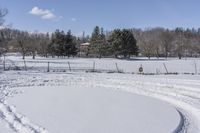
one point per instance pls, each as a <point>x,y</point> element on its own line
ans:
<point>179,56</point>
<point>23,56</point>
<point>33,55</point>
<point>125,56</point>
<point>166,55</point>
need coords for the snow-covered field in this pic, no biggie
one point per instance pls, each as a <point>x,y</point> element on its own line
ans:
<point>58,102</point>
<point>74,108</point>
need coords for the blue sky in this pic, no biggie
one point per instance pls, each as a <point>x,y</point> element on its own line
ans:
<point>83,15</point>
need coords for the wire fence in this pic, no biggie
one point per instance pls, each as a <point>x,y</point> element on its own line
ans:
<point>51,66</point>
<point>71,66</point>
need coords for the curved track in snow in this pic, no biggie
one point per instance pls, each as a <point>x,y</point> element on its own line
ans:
<point>182,92</point>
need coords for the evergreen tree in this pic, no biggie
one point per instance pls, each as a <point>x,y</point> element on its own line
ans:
<point>63,44</point>
<point>98,42</point>
<point>115,42</point>
<point>70,45</point>
<point>129,46</point>
<point>56,46</point>
<point>123,43</point>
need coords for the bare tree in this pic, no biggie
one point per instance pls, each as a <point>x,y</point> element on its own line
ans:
<point>179,42</point>
<point>6,35</point>
<point>3,13</point>
<point>146,45</point>
<point>44,42</point>
<point>166,41</point>
<point>150,43</point>
<point>33,44</point>
<point>22,43</point>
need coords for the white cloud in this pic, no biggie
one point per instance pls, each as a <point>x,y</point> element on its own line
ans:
<point>48,16</point>
<point>44,13</point>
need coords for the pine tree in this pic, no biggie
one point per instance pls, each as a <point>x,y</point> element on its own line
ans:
<point>70,45</point>
<point>129,46</point>
<point>98,42</point>
<point>123,43</point>
<point>115,42</point>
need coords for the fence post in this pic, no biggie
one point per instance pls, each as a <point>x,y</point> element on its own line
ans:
<point>195,66</point>
<point>165,68</point>
<point>48,67</point>
<point>117,67</point>
<point>93,66</point>
<point>25,65</point>
<point>69,66</point>
<point>4,63</point>
<point>157,71</point>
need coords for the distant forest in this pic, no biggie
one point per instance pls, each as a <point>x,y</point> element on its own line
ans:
<point>118,43</point>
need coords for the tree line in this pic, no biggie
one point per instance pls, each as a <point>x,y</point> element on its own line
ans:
<point>160,42</point>
<point>58,43</point>
<point>153,42</point>
<point>118,43</point>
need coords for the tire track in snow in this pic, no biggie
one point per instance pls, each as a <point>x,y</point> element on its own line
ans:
<point>183,99</point>
<point>182,124</point>
<point>16,121</point>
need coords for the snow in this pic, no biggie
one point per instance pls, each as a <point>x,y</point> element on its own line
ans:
<point>5,128</point>
<point>78,109</point>
<point>20,90</point>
